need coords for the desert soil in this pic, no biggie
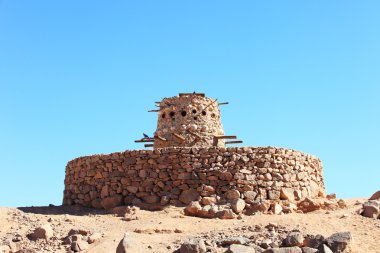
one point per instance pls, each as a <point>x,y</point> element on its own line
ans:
<point>164,231</point>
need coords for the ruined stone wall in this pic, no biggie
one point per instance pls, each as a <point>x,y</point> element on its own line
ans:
<point>194,118</point>
<point>179,175</point>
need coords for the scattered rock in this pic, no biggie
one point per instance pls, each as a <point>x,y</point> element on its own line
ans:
<point>308,205</point>
<point>325,249</point>
<point>284,250</point>
<point>43,232</point>
<point>226,214</point>
<point>234,240</point>
<point>277,208</point>
<point>236,248</point>
<point>294,238</point>
<point>193,245</point>
<point>340,242</point>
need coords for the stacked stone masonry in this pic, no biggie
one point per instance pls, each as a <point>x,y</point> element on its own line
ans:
<point>179,175</point>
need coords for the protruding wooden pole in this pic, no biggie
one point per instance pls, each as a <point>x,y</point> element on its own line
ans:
<point>233,142</point>
<point>148,145</point>
<point>145,140</point>
<point>225,136</point>
<point>153,110</point>
<point>180,137</point>
<point>223,103</point>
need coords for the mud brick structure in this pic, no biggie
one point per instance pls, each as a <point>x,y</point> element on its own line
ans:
<point>190,162</point>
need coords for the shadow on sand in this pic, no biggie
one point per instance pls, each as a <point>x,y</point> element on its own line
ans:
<point>60,210</point>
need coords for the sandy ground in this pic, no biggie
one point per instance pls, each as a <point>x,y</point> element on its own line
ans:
<point>163,231</point>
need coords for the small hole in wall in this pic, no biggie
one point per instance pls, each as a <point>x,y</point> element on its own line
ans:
<point>213,115</point>
<point>172,114</point>
<point>204,113</point>
<point>194,111</point>
<point>183,113</point>
<point>163,115</point>
<point>195,118</point>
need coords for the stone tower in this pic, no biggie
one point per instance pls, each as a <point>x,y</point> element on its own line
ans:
<point>188,120</point>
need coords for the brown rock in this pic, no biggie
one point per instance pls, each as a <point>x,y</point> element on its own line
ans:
<point>79,245</point>
<point>371,209</point>
<point>226,214</point>
<point>249,196</point>
<point>193,245</point>
<point>375,196</point>
<point>128,245</point>
<point>43,232</point>
<point>232,194</point>
<point>188,196</point>
<point>284,250</point>
<point>308,205</point>
<point>94,237</point>
<point>193,208</point>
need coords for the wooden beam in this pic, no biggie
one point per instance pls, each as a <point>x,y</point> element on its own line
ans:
<point>160,138</point>
<point>233,142</point>
<point>189,94</point>
<point>179,137</point>
<point>223,103</point>
<point>145,140</point>
<point>153,110</point>
<point>225,136</point>
<point>148,145</point>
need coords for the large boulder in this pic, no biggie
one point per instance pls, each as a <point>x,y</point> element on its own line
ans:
<point>128,245</point>
<point>375,196</point>
<point>193,245</point>
<point>340,242</point>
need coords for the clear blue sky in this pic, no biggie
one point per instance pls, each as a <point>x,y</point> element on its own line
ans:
<point>77,78</point>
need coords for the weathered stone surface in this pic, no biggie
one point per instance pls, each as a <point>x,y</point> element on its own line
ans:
<point>259,206</point>
<point>226,214</point>
<point>235,248</point>
<point>188,196</point>
<point>193,245</point>
<point>294,238</point>
<point>340,242</point>
<point>94,237</point>
<point>308,250</point>
<point>5,249</point>
<point>128,245</point>
<point>277,208</point>
<point>44,232</point>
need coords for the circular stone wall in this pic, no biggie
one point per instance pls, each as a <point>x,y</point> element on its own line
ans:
<point>178,175</point>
